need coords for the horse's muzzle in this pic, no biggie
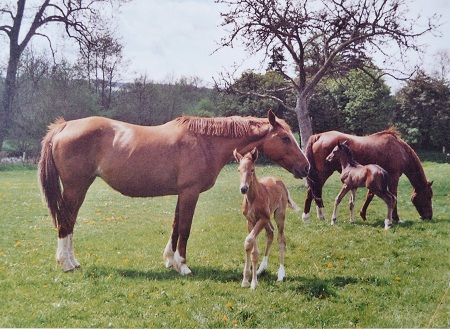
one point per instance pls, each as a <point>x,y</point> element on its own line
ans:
<point>301,172</point>
<point>244,189</point>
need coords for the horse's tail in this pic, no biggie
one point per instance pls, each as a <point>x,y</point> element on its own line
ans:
<point>292,204</point>
<point>48,173</point>
<point>312,177</point>
<point>384,181</point>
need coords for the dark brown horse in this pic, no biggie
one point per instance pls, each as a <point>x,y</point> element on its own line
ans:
<point>354,175</point>
<point>182,157</point>
<point>384,148</point>
<point>262,198</point>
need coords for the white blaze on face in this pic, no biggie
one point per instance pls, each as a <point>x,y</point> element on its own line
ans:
<point>293,137</point>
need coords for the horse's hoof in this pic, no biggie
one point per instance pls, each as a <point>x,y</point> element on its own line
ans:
<point>70,268</point>
<point>281,273</point>
<point>169,263</point>
<point>387,224</point>
<point>245,284</point>
<point>185,271</point>
<point>306,217</point>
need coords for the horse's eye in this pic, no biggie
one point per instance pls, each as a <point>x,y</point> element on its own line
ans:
<point>286,140</point>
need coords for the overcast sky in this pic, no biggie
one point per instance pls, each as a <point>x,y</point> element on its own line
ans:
<point>174,38</point>
<point>169,39</point>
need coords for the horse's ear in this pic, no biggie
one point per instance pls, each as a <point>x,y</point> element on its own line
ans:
<point>272,117</point>
<point>237,156</point>
<point>254,154</point>
<point>430,183</point>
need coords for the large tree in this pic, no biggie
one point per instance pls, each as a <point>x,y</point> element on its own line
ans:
<point>26,19</point>
<point>423,112</point>
<point>316,38</point>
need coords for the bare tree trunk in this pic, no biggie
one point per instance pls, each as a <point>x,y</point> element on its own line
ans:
<point>9,93</point>
<point>304,120</point>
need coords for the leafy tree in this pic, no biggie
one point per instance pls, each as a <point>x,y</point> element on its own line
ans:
<point>79,18</point>
<point>423,112</point>
<point>247,96</point>
<point>365,105</point>
<point>317,38</point>
<point>355,103</point>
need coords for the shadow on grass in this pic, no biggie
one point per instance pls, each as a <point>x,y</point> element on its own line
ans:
<point>380,223</point>
<point>163,274</point>
<point>311,287</point>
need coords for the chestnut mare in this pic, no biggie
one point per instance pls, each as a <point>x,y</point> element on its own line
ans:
<point>261,199</point>
<point>384,148</point>
<point>182,157</point>
<point>354,175</point>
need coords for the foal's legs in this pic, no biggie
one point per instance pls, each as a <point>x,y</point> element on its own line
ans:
<point>390,201</point>
<point>369,197</point>
<point>352,205</point>
<point>392,186</point>
<point>252,253</point>
<point>269,237</point>
<point>338,200</point>
<point>279,216</point>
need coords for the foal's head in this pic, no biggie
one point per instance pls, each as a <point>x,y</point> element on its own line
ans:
<point>343,152</point>
<point>246,168</point>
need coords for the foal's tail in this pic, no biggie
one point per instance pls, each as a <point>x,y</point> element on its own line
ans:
<point>385,181</point>
<point>48,173</point>
<point>292,204</point>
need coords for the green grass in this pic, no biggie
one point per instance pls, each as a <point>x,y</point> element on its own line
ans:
<point>342,276</point>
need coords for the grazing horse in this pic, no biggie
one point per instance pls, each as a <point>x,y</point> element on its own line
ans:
<point>261,199</point>
<point>384,148</point>
<point>354,175</point>
<point>182,157</point>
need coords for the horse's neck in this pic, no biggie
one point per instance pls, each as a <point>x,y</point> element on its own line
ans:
<point>253,189</point>
<point>415,173</point>
<point>224,149</point>
<point>345,163</point>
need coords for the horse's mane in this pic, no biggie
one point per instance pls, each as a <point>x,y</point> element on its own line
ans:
<point>415,168</point>
<point>391,131</point>
<point>234,126</point>
<point>351,157</point>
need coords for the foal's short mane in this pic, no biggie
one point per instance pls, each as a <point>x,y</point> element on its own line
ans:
<point>234,126</point>
<point>351,158</point>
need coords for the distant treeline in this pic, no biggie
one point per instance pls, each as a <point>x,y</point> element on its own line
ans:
<point>357,104</point>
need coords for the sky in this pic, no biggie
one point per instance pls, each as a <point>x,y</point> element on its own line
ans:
<point>173,38</point>
<point>169,39</point>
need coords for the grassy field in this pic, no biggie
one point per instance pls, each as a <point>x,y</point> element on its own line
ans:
<point>342,276</point>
